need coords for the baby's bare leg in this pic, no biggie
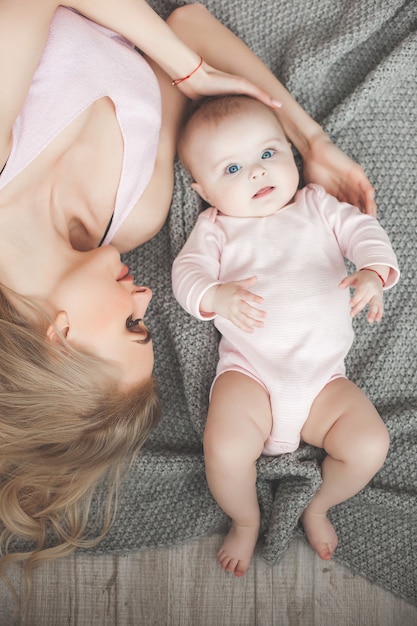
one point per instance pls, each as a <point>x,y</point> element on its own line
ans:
<point>345,423</point>
<point>238,423</point>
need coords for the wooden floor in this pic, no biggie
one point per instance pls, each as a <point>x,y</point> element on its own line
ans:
<point>183,586</point>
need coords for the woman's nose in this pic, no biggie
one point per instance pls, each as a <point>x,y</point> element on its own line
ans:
<point>107,254</point>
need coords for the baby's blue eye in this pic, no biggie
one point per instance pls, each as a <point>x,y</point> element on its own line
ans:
<point>232,169</point>
<point>267,154</point>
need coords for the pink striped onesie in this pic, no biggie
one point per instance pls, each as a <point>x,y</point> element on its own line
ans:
<point>81,63</point>
<point>297,254</point>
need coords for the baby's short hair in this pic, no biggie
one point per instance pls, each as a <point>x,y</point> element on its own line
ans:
<point>211,111</point>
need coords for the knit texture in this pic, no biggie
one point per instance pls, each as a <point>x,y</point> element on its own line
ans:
<point>352,65</point>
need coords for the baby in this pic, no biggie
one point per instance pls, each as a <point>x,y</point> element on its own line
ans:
<point>267,263</point>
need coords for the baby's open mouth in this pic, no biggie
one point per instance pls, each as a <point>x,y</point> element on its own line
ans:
<point>263,192</point>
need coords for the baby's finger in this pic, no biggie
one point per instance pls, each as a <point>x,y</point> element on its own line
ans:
<point>369,205</point>
<point>252,311</point>
<point>347,281</point>
<point>376,310</point>
<point>246,283</point>
<point>249,296</point>
<point>247,323</point>
<point>357,305</point>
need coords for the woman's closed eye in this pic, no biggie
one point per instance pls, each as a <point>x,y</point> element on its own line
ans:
<point>137,326</point>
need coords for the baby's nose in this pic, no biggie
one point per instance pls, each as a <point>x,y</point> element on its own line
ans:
<point>257,171</point>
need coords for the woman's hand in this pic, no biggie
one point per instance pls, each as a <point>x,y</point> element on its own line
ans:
<point>326,165</point>
<point>207,81</point>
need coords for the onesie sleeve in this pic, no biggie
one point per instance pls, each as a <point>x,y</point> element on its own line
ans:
<point>196,268</point>
<point>361,238</point>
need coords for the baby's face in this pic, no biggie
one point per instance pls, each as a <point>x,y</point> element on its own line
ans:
<point>244,166</point>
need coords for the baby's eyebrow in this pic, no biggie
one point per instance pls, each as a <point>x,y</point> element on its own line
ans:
<point>225,161</point>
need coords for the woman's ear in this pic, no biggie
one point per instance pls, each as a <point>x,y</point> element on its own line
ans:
<point>59,327</point>
<point>198,188</point>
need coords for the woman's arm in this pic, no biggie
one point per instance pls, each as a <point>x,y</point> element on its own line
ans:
<point>194,32</point>
<point>229,67</point>
<point>138,22</point>
<point>324,163</point>
<point>23,30</point>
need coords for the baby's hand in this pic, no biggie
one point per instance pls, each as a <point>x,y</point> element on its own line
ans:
<point>235,302</point>
<point>368,289</point>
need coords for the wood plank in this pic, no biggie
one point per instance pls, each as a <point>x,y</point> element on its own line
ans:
<point>183,586</point>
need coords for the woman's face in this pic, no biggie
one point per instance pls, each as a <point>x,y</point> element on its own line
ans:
<point>98,305</point>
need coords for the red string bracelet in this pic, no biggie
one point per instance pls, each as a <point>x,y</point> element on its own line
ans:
<point>177,81</point>
<point>369,269</point>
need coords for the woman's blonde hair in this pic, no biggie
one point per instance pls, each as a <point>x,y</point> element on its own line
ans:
<point>66,428</point>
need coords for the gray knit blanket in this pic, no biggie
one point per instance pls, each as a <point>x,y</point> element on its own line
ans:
<point>352,66</point>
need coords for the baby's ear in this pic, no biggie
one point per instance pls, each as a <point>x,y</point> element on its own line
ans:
<point>198,188</point>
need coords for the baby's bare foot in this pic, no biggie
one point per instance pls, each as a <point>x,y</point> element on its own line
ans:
<point>320,533</point>
<point>236,552</point>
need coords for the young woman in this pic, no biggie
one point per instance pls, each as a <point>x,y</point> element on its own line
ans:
<point>88,131</point>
